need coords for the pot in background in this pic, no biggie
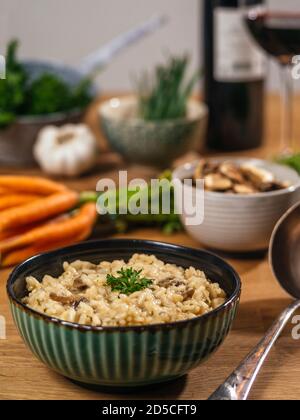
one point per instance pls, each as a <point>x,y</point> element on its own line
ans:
<point>241,223</point>
<point>18,139</point>
<point>155,143</point>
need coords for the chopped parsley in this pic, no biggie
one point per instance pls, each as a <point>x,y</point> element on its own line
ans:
<point>129,281</point>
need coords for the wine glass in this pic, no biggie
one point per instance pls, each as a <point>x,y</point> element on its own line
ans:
<point>278,33</point>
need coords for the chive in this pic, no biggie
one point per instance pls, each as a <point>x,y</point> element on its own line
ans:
<point>164,95</point>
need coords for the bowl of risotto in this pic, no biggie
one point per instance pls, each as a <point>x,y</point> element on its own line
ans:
<point>124,313</point>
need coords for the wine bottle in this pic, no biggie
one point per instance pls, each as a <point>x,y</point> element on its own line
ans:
<point>234,68</point>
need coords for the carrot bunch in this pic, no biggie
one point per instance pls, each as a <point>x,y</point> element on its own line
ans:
<point>38,215</point>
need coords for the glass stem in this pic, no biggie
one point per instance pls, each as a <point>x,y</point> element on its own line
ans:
<point>287,146</point>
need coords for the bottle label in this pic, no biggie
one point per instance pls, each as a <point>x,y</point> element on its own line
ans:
<point>237,56</point>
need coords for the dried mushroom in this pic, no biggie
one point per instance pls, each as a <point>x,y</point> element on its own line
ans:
<point>232,172</point>
<point>244,189</point>
<point>188,294</point>
<point>205,168</point>
<point>228,177</point>
<point>64,300</point>
<point>170,281</point>
<point>78,302</point>
<point>78,286</point>
<point>217,182</point>
<point>259,177</point>
<point>71,300</point>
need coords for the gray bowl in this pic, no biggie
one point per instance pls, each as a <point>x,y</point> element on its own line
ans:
<point>17,140</point>
<point>147,142</point>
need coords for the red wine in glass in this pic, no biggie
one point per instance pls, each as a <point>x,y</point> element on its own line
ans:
<point>278,33</point>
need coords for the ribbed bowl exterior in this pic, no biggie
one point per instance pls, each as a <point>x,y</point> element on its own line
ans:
<point>123,356</point>
<point>235,226</point>
<point>124,359</point>
<point>241,223</point>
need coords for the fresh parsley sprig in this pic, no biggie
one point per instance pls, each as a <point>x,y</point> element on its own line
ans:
<point>293,161</point>
<point>129,281</point>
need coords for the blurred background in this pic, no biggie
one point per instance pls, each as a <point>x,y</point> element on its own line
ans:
<point>67,30</point>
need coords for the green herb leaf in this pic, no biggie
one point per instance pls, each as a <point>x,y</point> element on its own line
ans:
<point>46,94</point>
<point>164,96</point>
<point>129,281</point>
<point>292,161</point>
<point>169,223</point>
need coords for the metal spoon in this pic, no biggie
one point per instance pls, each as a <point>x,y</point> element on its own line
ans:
<point>285,262</point>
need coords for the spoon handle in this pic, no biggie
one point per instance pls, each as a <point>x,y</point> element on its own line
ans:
<point>102,57</point>
<point>239,384</point>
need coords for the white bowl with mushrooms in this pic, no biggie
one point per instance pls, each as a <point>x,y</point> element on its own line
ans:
<point>243,200</point>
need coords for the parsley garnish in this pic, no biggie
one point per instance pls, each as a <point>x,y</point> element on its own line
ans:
<point>128,282</point>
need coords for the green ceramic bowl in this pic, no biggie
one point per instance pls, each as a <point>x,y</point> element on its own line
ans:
<point>130,356</point>
<point>147,142</point>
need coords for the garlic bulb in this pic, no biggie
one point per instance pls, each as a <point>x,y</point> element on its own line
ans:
<point>70,150</point>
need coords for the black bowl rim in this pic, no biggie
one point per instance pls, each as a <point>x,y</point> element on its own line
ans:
<point>132,243</point>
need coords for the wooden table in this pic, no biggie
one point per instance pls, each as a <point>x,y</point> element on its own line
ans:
<point>24,377</point>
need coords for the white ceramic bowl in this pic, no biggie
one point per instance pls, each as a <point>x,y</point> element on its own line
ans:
<point>241,223</point>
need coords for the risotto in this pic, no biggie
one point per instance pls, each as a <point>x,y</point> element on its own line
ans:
<point>142,291</point>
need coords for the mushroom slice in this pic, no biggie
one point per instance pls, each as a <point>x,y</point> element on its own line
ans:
<point>260,177</point>
<point>217,182</point>
<point>244,189</point>
<point>188,294</point>
<point>64,300</point>
<point>78,286</point>
<point>170,281</point>
<point>232,172</point>
<point>274,186</point>
<point>211,168</point>
<point>199,172</point>
<point>78,302</point>
<point>68,300</point>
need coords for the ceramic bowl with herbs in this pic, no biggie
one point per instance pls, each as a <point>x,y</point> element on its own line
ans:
<point>243,200</point>
<point>160,123</point>
<point>121,348</point>
<point>156,143</point>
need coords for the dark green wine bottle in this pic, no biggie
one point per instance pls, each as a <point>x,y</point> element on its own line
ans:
<point>234,69</point>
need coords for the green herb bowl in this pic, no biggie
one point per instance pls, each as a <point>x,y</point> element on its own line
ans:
<point>123,357</point>
<point>154,143</point>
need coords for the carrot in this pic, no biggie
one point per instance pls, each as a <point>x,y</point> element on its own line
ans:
<point>17,257</point>
<point>41,209</point>
<point>30,185</point>
<point>4,191</point>
<point>9,201</point>
<point>12,233</point>
<point>85,218</point>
